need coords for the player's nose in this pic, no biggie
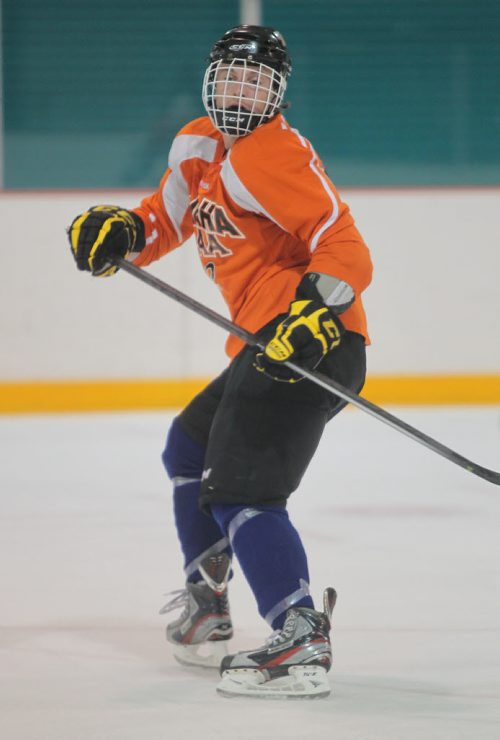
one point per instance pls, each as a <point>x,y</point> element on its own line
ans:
<point>247,90</point>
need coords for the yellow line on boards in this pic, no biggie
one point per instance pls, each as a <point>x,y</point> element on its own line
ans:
<point>28,397</point>
<point>91,395</point>
<point>433,389</point>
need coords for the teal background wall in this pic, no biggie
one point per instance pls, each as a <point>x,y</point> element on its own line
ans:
<point>390,92</point>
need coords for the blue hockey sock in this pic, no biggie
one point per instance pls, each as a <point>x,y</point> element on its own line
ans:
<point>271,556</point>
<point>199,534</point>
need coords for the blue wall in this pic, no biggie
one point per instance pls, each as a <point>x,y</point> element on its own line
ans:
<point>389,91</point>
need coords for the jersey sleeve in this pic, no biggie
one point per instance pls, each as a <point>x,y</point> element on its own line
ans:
<point>166,213</point>
<point>285,181</point>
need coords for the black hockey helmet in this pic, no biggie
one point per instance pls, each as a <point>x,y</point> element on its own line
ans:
<point>256,44</point>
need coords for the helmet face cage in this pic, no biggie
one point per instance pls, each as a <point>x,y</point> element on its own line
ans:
<point>240,95</point>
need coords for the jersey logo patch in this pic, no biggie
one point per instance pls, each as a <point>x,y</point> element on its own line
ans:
<point>211,221</point>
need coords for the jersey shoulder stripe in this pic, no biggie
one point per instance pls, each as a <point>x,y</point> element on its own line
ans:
<point>191,146</point>
<point>239,193</point>
<point>192,142</point>
<point>198,139</point>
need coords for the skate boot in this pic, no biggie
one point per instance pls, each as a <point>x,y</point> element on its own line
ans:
<point>292,664</point>
<point>201,632</point>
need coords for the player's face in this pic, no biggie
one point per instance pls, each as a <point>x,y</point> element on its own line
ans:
<point>244,86</point>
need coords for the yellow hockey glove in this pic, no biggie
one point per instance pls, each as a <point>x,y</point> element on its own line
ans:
<point>104,232</point>
<point>308,333</point>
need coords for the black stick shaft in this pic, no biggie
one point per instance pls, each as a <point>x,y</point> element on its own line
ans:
<point>315,377</point>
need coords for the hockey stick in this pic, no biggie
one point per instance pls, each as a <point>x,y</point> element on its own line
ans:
<point>315,377</point>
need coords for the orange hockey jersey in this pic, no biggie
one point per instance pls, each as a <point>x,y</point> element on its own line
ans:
<point>263,213</point>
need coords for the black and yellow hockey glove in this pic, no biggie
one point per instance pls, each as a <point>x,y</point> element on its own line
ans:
<point>104,232</point>
<point>308,333</point>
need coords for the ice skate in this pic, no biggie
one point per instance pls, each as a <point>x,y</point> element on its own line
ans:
<point>291,665</point>
<point>201,632</point>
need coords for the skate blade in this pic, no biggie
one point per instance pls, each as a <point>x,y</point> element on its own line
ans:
<point>205,655</point>
<point>302,682</point>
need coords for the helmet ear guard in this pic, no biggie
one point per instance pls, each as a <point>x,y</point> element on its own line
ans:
<point>246,79</point>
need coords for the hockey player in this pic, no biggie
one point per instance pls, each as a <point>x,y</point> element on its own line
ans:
<point>277,239</point>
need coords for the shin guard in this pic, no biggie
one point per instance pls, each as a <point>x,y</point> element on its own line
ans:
<point>271,556</point>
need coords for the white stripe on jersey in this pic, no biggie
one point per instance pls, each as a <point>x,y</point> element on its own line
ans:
<point>335,206</point>
<point>175,190</point>
<point>239,193</point>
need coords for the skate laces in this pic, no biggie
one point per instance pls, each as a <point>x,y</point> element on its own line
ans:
<point>286,632</point>
<point>293,630</point>
<point>180,599</point>
<point>275,638</point>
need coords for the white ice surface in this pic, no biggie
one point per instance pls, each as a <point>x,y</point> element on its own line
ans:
<point>88,547</point>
